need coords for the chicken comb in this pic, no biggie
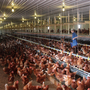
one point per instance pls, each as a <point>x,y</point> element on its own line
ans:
<point>17,81</point>
<point>22,74</point>
<point>25,76</point>
<point>12,72</point>
<point>73,80</point>
<point>30,67</point>
<point>10,63</point>
<point>63,86</point>
<point>27,67</point>
<point>40,86</point>
<point>79,82</point>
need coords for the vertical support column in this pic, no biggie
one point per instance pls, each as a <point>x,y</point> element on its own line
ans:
<point>36,29</point>
<point>32,22</point>
<point>44,22</point>
<point>41,24</point>
<point>73,21</point>
<point>78,15</point>
<point>44,26</point>
<point>89,20</point>
<point>78,18</point>
<point>73,18</point>
<point>49,24</point>
<point>61,25</point>
<point>49,20</point>
<point>89,13</point>
<point>55,24</point>
<point>66,19</point>
<point>45,29</point>
<point>34,26</point>
<point>68,22</point>
<point>82,17</point>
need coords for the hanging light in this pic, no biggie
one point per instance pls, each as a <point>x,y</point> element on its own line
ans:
<point>12,6</point>
<point>74,19</point>
<point>48,28</point>
<point>12,9</point>
<point>35,17</point>
<point>22,19</point>
<point>35,13</point>
<point>63,4</point>
<point>34,28</point>
<point>4,16</point>
<point>59,16</point>
<point>79,26</point>
<point>63,8</point>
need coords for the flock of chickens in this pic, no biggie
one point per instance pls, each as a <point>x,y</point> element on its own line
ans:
<point>21,58</point>
<point>83,50</point>
<point>17,60</point>
<point>81,31</point>
<point>76,61</point>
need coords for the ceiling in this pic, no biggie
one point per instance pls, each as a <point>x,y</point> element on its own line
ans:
<point>26,8</point>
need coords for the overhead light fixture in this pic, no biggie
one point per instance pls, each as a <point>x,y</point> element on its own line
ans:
<point>63,4</point>
<point>59,16</point>
<point>12,9</point>
<point>22,19</point>
<point>48,28</point>
<point>79,26</point>
<point>12,4</point>
<point>74,19</point>
<point>34,28</point>
<point>35,14</point>
<point>63,8</point>
<point>35,17</point>
<point>4,16</point>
